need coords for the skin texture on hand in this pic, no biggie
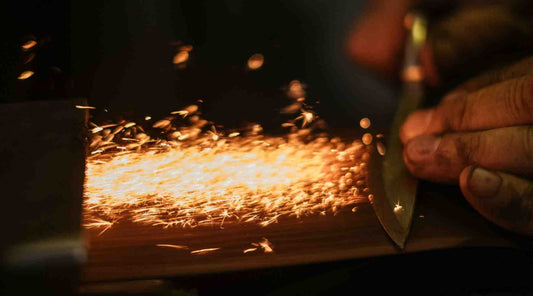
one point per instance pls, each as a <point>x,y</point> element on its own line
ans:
<point>481,136</point>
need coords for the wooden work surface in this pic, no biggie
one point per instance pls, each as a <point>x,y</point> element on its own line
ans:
<point>128,251</point>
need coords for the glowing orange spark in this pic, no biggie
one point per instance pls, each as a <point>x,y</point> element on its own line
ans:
<point>364,123</point>
<point>204,251</point>
<point>25,75</point>
<point>186,48</point>
<point>397,207</point>
<point>381,148</point>
<point>256,61</point>
<point>265,245</point>
<point>179,247</point>
<point>296,90</point>
<point>367,139</point>
<point>181,57</point>
<point>306,117</point>
<point>29,44</point>
<point>84,107</point>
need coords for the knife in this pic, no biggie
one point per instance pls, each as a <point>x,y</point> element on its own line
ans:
<point>392,187</point>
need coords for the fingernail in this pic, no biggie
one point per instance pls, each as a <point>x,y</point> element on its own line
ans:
<point>416,124</point>
<point>483,183</point>
<point>422,148</point>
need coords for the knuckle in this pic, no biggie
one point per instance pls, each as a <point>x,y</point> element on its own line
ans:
<point>456,115</point>
<point>519,99</point>
<point>468,147</point>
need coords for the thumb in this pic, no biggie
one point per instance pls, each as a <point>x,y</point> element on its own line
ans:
<point>504,199</point>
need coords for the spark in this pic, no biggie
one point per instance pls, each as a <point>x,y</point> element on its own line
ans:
<point>367,139</point>
<point>28,44</point>
<point>364,123</point>
<point>25,75</point>
<point>147,118</point>
<point>186,111</point>
<point>85,107</point>
<point>181,57</point>
<point>397,207</point>
<point>266,245</point>
<point>179,247</point>
<point>249,250</point>
<point>204,251</point>
<point>256,61</point>
<point>296,89</point>
<point>99,223</point>
<point>97,129</point>
<point>306,117</point>
<point>381,148</point>
<point>187,48</point>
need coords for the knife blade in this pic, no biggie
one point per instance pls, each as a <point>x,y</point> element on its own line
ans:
<point>392,187</point>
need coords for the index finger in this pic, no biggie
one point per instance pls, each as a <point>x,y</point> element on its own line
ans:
<point>505,104</point>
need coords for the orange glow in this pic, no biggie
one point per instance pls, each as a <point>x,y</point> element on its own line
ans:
<point>194,177</point>
<point>397,208</point>
<point>191,174</point>
<point>364,123</point>
<point>25,75</point>
<point>84,107</point>
<point>178,247</point>
<point>367,139</point>
<point>204,251</point>
<point>29,44</point>
<point>296,90</point>
<point>256,61</point>
<point>265,245</point>
<point>181,57</point>
<point>413,74</point>
<point>381,148</point>
<point>186,48</point>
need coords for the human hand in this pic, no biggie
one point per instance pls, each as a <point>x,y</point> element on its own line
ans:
<point>481,135</point>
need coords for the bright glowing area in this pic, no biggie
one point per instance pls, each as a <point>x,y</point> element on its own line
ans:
<point>364,123</point>
<point>25,75</point>
<point>256,61</point>
<point>181,57</point>
<point>29,44</point>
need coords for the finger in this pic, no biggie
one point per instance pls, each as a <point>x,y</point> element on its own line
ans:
<point>441,159</point>
<point>504,199</point>
<point>508,103</point>
<point>519,69</point>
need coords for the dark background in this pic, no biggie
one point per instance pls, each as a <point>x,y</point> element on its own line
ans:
<point>118,55</point>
